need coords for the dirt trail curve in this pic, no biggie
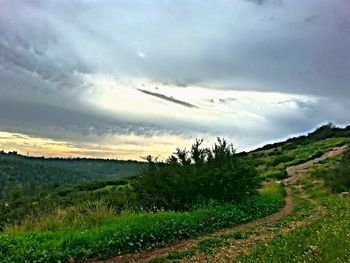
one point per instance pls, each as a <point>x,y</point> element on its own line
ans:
<point>293,173</point>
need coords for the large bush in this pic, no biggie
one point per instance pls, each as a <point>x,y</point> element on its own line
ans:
<point>338,178</point>
<point>198,175</point>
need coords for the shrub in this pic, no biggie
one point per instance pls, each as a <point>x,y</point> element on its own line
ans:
<point>278,174</point>
<point>282,159</point>
<point>338,177</point>
<point>199,175</point>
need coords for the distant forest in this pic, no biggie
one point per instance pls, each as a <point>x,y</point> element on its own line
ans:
<point>26,180</point>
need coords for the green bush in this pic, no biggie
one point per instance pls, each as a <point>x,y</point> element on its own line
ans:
<point>336,177</point>
<point>282,159</point>
<point>196,176</point>
<point>275,174</point>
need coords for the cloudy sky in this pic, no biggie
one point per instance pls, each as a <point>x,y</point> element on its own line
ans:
<point>122,79</point>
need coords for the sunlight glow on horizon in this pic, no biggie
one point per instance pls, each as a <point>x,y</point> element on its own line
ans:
<point>133,148</point>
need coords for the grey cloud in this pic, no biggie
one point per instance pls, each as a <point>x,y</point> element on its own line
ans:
<point>46,47</point>
<point>312,18</point>
<point>344,27</point>
<point>51,121</point>
<point>300,104</point>
<point>217,44</point>
<point>262,2</point>
<point>171,99</point>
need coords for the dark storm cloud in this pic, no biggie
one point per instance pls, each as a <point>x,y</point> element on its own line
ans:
<point>56,122</point>
<point>220,43</point>
<point>49,48</point>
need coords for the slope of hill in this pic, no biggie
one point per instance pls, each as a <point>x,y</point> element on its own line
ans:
<point>187,196</point>
<point>26,181</point>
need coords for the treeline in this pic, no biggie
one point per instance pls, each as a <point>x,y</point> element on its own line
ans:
<point>69,159</point>
<point>21,175</point>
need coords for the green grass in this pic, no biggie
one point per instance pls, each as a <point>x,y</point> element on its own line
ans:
<point>272,163</point>
<point>272,190</point>
<point>207,246</point>
<point>325,240</point>
<point>321,241</point>
<point>302,209</point>
<point>210,246</point>
<point>81,234</point>
<point>131,232</point>
<point>85,216</point>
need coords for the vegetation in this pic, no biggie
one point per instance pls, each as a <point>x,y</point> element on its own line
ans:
<point>326,131</point>
<point>323,240</point>
<point>210,246</point>
<point>335,173</point>
<point>268,167</point>
<point>130,232</point>
<point>32,186</point>
<point>200,175</point>
<point>309,234</point>
<point>52,209</point>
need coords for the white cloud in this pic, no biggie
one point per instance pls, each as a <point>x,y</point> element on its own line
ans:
<point>141,54</point>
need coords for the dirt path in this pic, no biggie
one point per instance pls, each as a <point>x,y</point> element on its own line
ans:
<point>293,173</point>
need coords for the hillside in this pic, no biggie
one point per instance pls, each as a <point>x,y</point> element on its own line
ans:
<point>24,181</point>
<point>276,195</point>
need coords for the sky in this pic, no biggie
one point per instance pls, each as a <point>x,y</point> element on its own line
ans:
<point>123,79</point>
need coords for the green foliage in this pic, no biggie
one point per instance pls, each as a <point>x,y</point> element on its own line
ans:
<point>336,175</point>
<point>84,216</point>
<point>180,255</point>
<point>282,158</point>
<point>326,239</point>
<point>326,131</point>
<point>273,162</point>
<point>90,186</point>
<point>277,174</point>
<point>36,174</point>
<point>130,232</point>
<point>56,209</point>
<point>210,245</point>
<point>116,194</point>
<point>32,186</point>
<point>199,175</point>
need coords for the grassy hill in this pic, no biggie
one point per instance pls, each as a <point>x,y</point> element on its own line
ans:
<point>28,184</point>
<point>97,214</point>
<point>326,237</point>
